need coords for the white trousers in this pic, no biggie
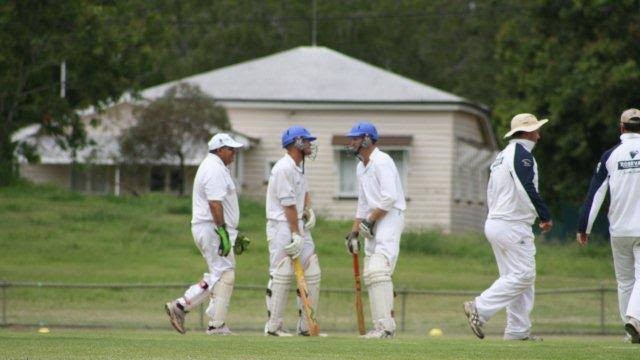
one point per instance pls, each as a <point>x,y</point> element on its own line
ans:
<point>208,242</point>
<point>386,237</point>
<point>514,250</point>
<point>626,260</point>
<point>279,235</point>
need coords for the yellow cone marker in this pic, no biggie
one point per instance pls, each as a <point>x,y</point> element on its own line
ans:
<point>43,330</point>
<point>435,332</point>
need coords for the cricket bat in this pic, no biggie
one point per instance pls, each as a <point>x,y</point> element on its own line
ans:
<point>359,311</point>
<point>308,311</point>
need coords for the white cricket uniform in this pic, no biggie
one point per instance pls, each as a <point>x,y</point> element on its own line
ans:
<point>379,186</point>
<point>619,171</point>
<point>514,203</point>
<point>287,186</point>
<point>213,182</point>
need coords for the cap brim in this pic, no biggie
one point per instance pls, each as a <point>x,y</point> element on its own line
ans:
<point>529,128</point>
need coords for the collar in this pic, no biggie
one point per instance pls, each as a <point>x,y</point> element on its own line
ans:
<point>292,162</point>
<point>629,136</point>
<point>374,154</point>
<point>528,144</point>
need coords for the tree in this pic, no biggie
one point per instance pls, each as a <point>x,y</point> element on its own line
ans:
<point>575,62</point>
<point>172,127</point>
<point>102,61</point>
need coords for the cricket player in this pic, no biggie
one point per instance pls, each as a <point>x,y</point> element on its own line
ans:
<point>619,172</point>
<point>214,228</point>
<point>380,219</point>
<point>289,221</point>
<point>514,203</point>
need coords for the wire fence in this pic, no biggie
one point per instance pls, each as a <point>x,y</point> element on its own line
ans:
<point>140,306</point>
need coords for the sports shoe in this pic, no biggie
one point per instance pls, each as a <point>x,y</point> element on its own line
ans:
<point>176,316</point>
<point>633,329</point>
<point>278,332</point>
<point>473,318</point>
<point>378,334</point>
<point>220,330</point>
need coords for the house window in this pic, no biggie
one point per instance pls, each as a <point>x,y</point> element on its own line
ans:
<point>163,178</point>
<point>267,170</point>
<point>347,170</point>
<point>89,178</point>
<point>472,172</point>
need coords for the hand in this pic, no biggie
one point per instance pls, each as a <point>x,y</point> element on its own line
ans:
<point>582,238</point>
<point>366,228</point>
<point>225,244</point>
<point>351,240</point>
<point>309,218</point>
<point>546,225</point>
<point>295,247</point>
<point>242,243</point>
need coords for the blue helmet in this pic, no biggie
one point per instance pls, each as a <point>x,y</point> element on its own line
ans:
<point>291,134</point>
<point>364,128</point>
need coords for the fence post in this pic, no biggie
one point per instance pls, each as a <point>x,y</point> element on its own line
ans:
<point>4,303</point>
<point>201,316</point>
<point>602,320</point>
<point>403,311</point>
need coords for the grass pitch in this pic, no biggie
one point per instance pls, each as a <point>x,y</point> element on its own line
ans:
<point>101,344</point>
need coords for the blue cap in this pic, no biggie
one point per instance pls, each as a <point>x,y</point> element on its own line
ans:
<point>291,134</point>
<point>364,128</point>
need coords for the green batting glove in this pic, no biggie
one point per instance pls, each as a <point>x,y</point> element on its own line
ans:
<point>225,244</point>
<point>242,244</point>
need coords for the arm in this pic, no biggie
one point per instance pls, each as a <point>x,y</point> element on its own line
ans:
<point>524,168</point>
<point>595,196</point>
<point>291,213</point>
<point>215,206</point>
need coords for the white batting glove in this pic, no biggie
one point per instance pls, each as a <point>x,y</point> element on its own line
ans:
<point>310,218</point>
<point>366,228</point>
<point>352,242</point>
<point>294,248</point>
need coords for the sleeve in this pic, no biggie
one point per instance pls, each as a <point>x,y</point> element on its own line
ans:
<point>595,196</point>
<point>361,211</point>
<point>524,166</point>
<point>215,186</point>
<point>386,174</point>
<point>284,187</point>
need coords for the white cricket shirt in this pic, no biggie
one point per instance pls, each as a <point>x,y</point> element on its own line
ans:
<point>213,182</point>
<point>379,185</point>
<point>287,186</point>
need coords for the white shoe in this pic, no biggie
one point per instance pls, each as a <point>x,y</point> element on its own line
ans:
<point>278,332</point>
<point>527,338</point>
<point>176,316</point>
<point>220,330</point>
<point>473,318</point>
<point>633,329</point>
<point>378,334</point>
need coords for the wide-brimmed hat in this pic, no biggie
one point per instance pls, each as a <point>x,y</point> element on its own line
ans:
<point>525,122</point>
<point>630,116</point>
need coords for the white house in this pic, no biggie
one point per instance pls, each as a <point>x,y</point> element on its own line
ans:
<point>442,143</point>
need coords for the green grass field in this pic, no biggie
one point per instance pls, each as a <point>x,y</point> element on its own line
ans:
<point>51,235</point>
<point>98,344</point>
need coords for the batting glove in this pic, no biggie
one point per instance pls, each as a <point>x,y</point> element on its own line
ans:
<point>242,243</point>
<point>225,244</point>
<point>294,248</point>
<point>366,228</point>
<point>309,218</point>
<point>353,245</point>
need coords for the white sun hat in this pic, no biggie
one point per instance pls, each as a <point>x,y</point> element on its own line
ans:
<point>525,122</point>
<point>630,116</point>
<point>222,139</point>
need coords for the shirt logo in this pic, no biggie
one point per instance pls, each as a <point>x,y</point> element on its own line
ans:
<point>633,153</point>
<point>628,164</point>
<point>527,162</point>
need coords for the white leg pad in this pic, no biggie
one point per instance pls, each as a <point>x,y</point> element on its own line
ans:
<point>196,293</point>
<point>312,275</point>
<point>220,296</point>
<point>377,278</point>
<point>277,291</point>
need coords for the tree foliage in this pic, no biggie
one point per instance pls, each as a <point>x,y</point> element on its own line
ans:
<point>36,38</point>
<point>174,126</point>
<point>575,62</point>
